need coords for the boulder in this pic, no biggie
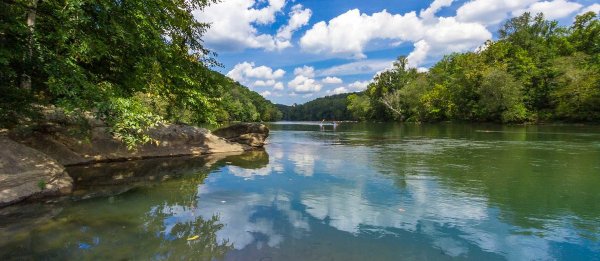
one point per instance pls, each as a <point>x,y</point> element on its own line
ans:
<point>251,134</point>
<point>28,173</point>
<point>100,146</point>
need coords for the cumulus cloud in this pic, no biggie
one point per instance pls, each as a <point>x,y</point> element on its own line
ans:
<point>299,17</point>
<point>338,90</point>
<point>256,76</point>
<point>359,86</point>
<point>592,8</point>
<point>278,86</point>
<point>307,71</point>
<point>304,81</point>
<point>233,24</point>
<point>303,84</point>
<point>450,35</point>
<point>489,12</point>
<point>348,34</point>
<point>552,9</point>
<point>266,93</point>
<point>360,67</point>
<point>332,80</point>
<point>429,13</point>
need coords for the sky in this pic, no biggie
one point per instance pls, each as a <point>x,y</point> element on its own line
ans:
<point>293,51</point>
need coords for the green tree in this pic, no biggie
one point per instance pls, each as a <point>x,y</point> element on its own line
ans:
<point>101,55</point>
<point>501,97</point>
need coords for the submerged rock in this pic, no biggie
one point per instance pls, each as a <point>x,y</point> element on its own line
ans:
<point>28,173</point>
<point>251,134</point>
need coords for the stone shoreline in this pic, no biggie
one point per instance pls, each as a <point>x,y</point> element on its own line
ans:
<point>33,166</point>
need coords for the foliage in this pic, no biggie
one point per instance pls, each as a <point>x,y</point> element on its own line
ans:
<point>131,63</point>
<point>334,107</point>
<point>241,104</point>
<point>360,106</point>
<point>536,71</point>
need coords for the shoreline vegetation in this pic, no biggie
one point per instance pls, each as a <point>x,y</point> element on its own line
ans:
<point>126,69</point>
<point>536,72</point>
<point>132,65</point>
<point>94,60</point>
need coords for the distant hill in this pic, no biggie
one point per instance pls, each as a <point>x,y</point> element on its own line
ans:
<point>238,103</point>
<point>334,107</point>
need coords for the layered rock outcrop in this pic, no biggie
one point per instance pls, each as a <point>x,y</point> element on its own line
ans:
<point>251,134</point>
<point>28,173</point>
<point>32,164</point>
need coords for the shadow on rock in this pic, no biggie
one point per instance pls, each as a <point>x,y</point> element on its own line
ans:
<point>109,179</point>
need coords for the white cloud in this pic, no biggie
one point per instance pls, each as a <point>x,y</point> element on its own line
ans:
<point>348,34</point>
<point>359,86</point>
<point>299,17</point>
<point>248,70</point>
<point>332,80</point>
<point>489,12</point>
<point>233,25</point>
<point>450,35</point>
<point>261,83</point>
<point>552,9</point>
<point>256,76</point>
<point>278,86</point>
<point>266,93</point>
<point>338,90</point>
<point>429,13</point>
<point>360,67</point>
<point>418,55</point>
<point>307,71</point>
<point>592,8</point>
<point>304,84</point>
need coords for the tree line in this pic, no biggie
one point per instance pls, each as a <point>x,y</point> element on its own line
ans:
<point>133,64</point>
<point>334,107</point>
<point>536,71</point>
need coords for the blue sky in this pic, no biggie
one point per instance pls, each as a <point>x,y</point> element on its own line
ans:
<point>295,51</point>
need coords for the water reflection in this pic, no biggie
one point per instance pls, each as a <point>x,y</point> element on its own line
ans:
<point>363,192</point>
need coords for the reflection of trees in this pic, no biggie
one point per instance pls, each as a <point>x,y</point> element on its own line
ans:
<point>108,179</point>
<point>152,223</point>
<point>533,177</point>
<point>173,244</point>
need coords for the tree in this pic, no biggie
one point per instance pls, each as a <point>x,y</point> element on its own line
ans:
<point>536,71</point>
<point>107,57</point>
<point>501,97</point>
<point>359,106</point>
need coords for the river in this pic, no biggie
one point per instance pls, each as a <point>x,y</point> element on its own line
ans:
<point>359,191</point>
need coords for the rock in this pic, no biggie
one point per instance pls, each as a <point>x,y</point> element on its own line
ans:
<point>109,179</point>
<point>28,173</point>
<point>252,134</point>
<point>100,146</point>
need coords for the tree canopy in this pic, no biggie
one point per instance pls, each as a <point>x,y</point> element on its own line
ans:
<point>131,63</point>
<point>536,71</point>
<point>334,107</point>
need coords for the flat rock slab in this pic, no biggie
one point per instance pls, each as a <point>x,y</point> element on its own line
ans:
<point>100,146</point>
<point>27,173</point>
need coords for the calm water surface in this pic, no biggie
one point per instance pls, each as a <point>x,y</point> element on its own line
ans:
<point>359,192</point>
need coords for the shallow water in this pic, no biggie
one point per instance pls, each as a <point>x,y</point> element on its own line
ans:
<point>357,192</point>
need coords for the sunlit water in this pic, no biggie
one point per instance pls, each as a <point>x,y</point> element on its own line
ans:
<point>356,192</point>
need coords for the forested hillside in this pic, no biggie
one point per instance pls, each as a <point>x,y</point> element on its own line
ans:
<point>536,71</point>
<point>242,104</point>
<point>334,107</point>
<point>133,64</point>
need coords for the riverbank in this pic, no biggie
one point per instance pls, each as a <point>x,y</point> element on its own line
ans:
<point>32,164</point>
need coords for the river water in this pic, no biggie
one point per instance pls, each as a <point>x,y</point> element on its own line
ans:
<point>359,191</point>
